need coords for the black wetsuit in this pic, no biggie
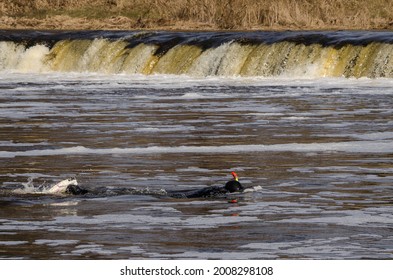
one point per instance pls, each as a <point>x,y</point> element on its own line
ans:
<point>75,190</point>
<point>230,187</point>
<point>205,192</point>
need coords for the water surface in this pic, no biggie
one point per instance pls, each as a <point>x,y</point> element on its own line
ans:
<point>320,148</point>
<point>135,115</point>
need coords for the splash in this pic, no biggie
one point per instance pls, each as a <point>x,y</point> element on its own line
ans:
<point>30,188</point>
<point>21,59</point>
<point>59,188</point>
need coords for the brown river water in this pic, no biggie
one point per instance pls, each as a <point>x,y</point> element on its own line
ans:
<point>320,148</point>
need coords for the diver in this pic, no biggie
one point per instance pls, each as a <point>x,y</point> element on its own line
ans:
<point>230,187</point>
<point>70,186</point>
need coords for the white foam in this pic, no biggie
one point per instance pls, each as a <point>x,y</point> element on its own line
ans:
<point>194,169</point>
<point>50,242</point>
<point>253,189</point>
<point>92,249</point>
<point>350,147</point>
<point>368,218</point>
<point>13,243</point>
<point>192,95</point>
<point>16,58</point>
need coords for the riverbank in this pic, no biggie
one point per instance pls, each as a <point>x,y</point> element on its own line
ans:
<point>196,14</point>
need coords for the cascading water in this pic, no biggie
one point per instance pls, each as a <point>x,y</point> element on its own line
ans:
<point>309,54</point>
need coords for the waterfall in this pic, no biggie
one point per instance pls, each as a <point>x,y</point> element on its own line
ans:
<point>204,54</point>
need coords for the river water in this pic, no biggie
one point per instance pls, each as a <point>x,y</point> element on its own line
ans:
<point>319,147</point>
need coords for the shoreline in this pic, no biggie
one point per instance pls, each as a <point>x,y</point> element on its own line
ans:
<point>67,23</point>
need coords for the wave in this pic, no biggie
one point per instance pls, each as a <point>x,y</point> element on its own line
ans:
<point>382,146</point>
<point>311,54</point>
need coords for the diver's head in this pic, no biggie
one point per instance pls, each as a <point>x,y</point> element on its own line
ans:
<point>234,185</point>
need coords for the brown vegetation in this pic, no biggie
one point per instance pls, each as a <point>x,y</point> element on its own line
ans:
<point>197,14</point>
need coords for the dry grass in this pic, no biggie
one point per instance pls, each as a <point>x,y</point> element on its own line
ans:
<point>205,14</point>
<point>240,14</point>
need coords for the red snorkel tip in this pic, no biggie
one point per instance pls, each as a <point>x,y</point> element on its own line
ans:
<point>234,175</point>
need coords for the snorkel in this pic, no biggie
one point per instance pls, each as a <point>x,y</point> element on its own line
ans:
<point>235,177</point>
